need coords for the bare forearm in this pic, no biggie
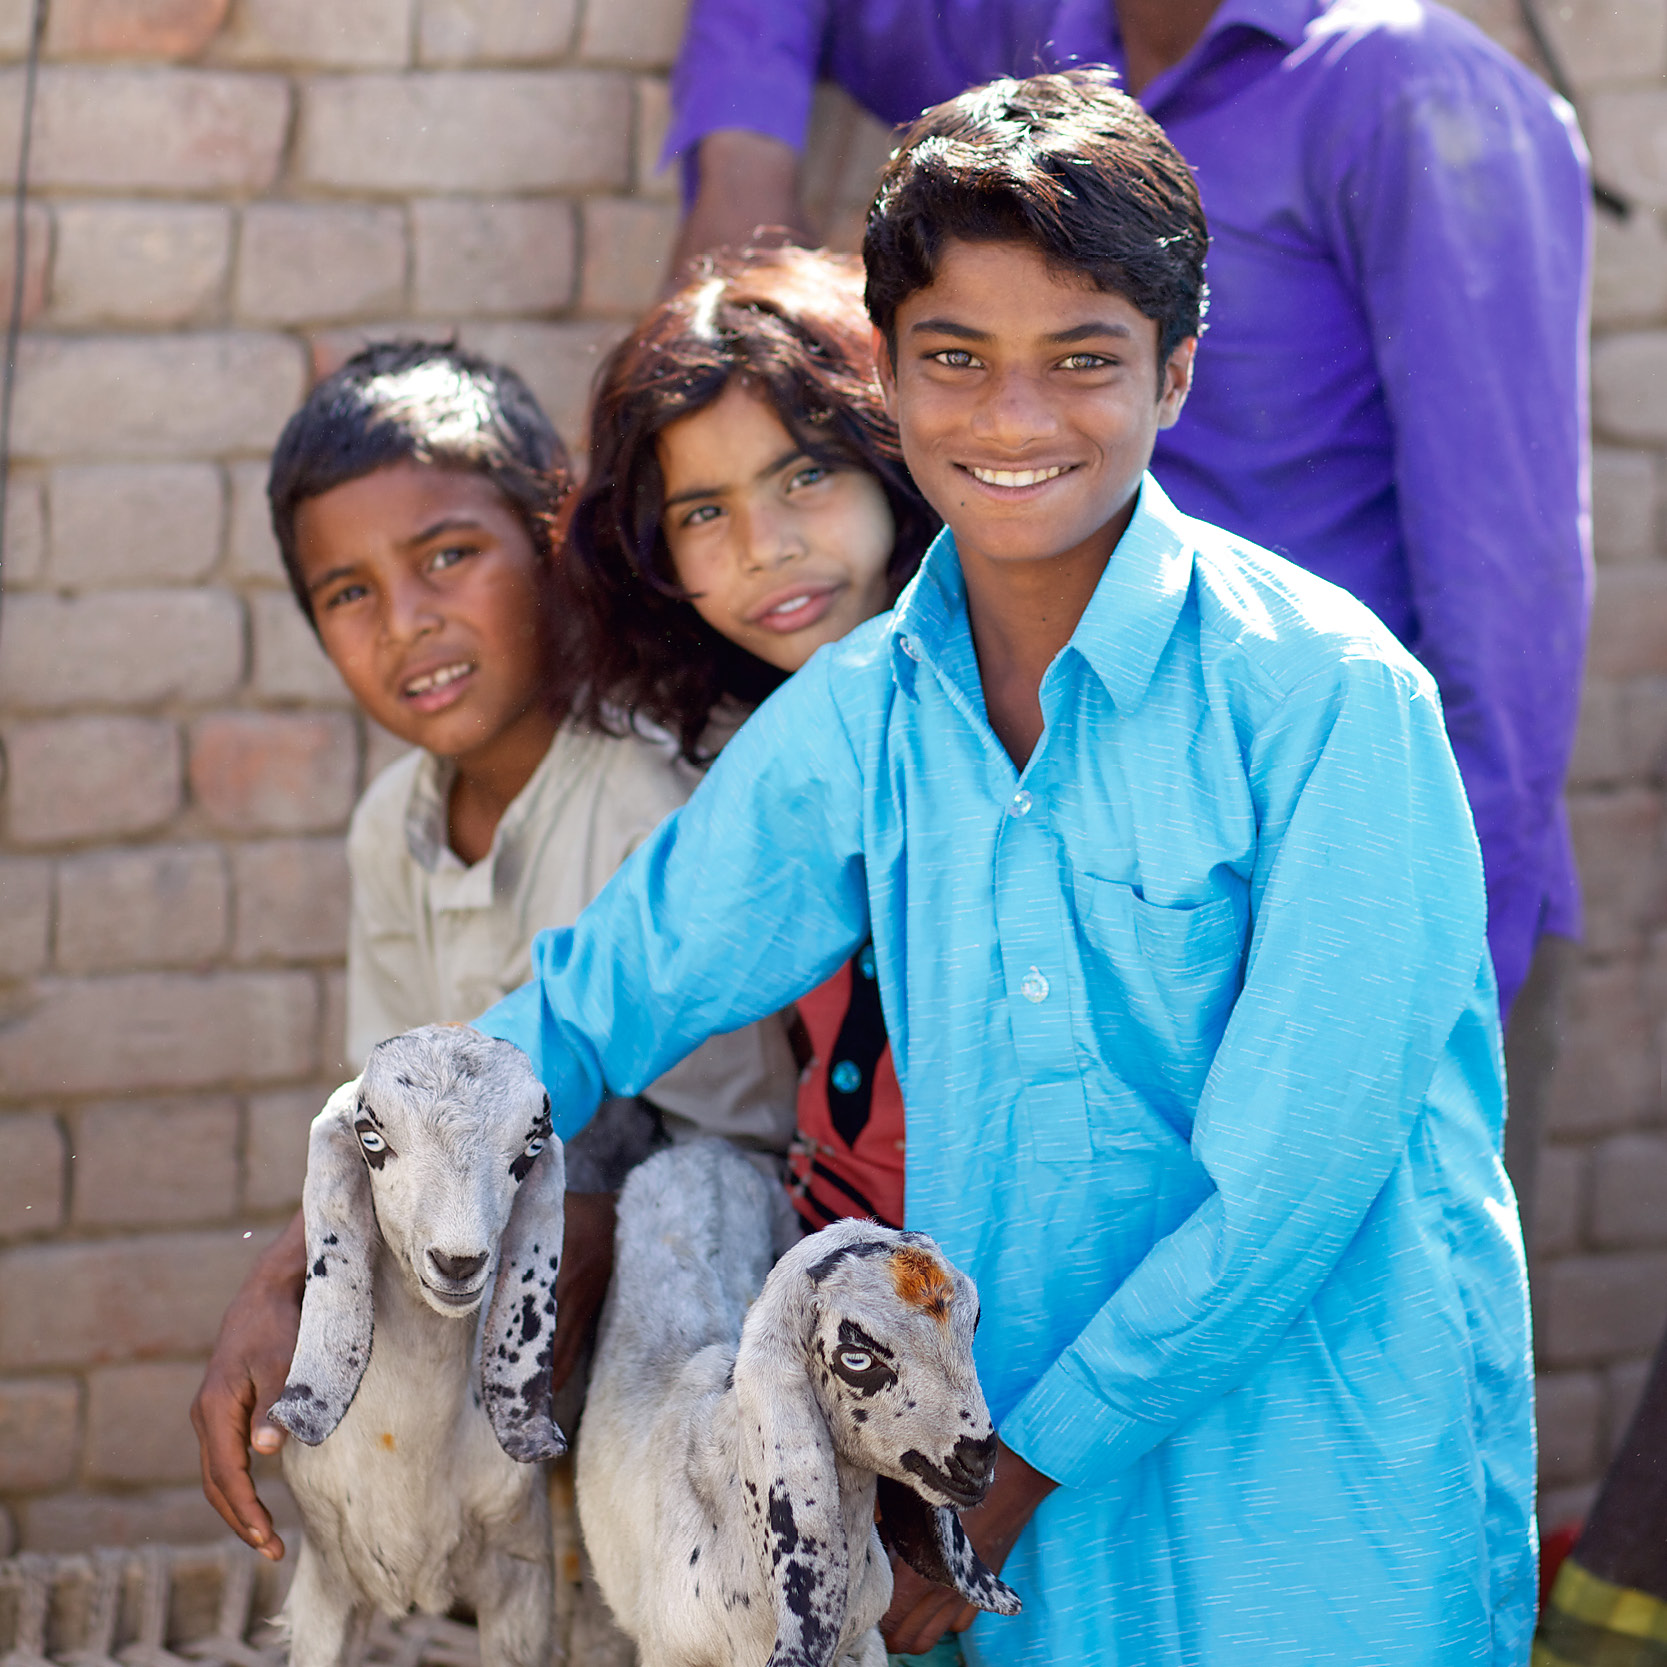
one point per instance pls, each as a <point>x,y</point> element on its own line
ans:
<point>748,192</point>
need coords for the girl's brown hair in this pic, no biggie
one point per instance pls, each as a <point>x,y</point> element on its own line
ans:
<point>790,323</point>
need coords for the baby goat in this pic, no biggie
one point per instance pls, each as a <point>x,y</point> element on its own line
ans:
<point>730,1457</point>
<point>432,1180</point>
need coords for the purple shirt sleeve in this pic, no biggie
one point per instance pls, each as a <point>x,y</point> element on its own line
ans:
<point>746,63</point>
<point>1467,216</point>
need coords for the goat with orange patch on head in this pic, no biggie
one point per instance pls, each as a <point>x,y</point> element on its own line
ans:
<point>743,1421</point>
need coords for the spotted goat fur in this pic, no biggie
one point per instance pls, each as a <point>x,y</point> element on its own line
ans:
<point>421,1409</point>
<point>743,1420</point>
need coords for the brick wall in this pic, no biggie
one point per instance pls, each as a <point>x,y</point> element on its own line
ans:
<point>232,193</point>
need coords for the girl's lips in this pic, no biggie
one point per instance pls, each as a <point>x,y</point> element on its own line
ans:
<point>435,690</point>
<point>792,610</point>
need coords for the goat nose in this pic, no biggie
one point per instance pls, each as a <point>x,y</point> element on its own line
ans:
<point>458,1268</point>
<point>972,1462</point>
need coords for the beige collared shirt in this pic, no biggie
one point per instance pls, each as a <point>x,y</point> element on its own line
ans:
<point>433,939</point>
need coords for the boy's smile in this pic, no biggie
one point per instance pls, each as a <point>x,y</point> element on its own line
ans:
<point>1028,402</point>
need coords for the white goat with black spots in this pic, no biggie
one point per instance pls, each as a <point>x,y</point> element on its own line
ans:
<point>432,1181</point>
<point>731,1455</point>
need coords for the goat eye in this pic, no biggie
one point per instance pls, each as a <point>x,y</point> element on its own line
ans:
<point>372,1141</point>
<point>534,1147</point>
<point>855,1360</point>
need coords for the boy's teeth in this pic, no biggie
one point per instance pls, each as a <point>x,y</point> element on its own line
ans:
<point>437,679</point>
<point>1017,477</point>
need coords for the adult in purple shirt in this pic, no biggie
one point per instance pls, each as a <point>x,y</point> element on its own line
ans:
<point>1392,390</point>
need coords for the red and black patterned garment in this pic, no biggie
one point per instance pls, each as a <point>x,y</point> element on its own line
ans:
<point>847,1157</point>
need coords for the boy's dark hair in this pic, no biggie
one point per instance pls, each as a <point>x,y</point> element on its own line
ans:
<point>788,323</point>
<point>1066,163</point>
<point>427,402</point>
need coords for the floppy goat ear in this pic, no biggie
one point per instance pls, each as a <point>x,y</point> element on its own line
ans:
<point>790,1480</point>
<point>333,1348</point>
<point>931,1540</point>
<point>518,1340</point>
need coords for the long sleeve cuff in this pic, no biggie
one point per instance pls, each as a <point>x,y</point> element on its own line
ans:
<point>1071,1433</point>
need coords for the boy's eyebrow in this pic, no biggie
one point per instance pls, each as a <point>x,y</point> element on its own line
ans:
<point>446,524</point>
<point>328,577</point>
<point>773,467</point>
<point>1061,338</point>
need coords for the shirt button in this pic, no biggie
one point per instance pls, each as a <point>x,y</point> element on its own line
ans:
<point>1020,803</point>
<point>845,1077</point>
<point>1034,986</point>
<point>907,644</point>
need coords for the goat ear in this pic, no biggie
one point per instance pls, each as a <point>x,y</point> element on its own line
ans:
<point>789,1479</point>
<point>337,1319</point>
<point>931,1540</point>
<point>518,1342</point>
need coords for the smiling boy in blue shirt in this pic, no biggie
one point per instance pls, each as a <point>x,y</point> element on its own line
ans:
<point>1180,931</point>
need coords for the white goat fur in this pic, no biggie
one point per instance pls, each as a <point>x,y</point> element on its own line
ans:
<point>432,1180</point>
<point>729,1457</point>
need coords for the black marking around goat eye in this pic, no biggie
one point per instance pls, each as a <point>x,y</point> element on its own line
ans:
<point>820,1270</point>
<point>869,1379</point>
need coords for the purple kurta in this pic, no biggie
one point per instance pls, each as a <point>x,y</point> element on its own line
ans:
<point>1392,389</point>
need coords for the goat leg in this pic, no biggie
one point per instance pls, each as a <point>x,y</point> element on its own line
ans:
<point>325,1621</point>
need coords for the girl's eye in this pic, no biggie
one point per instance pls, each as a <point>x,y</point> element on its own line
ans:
<point>855,1360</point>
<point>372,1141</point>
<point>449,557</point>
<point>700,515</point>
<point>808,476</point>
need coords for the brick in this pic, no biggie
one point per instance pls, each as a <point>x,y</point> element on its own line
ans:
<point>332,347</point>
<point>31,1177</point>
<point>474,256</point>
<point>251,549</point>
<point>369,34</point>
<point>139,1422</point>
<point>66,1522</point>
<point>1629,383</point>
<point>105,397</point>
<point>627,252</point>
<point>1599,40</point>
<point>1600,754</point>
<point>121,648</point>
<point>1629,622</point>
<point>121,1299</point>
<point>125,29</point>
<point>290,664</point>
<point>37,248</point>
<point>1627,130</point>
<point>1569,1410</point>
<point>39,1424</point>
<point>653,122</point>
<point>643,35</point>
<point>1629,1184</point>
<point>292,900</point>
<point>274,772</point>
<point>276,1162</point>
<point>1606,1074</point>
<point>304,261</point>
<point>138,263</point>
<point>1617,839</point>
<point>15,21</point>
<point>1559,1200</point>
<point>135,523</point>
<point>494,31</point>
<point>203,131</point>
<point>333,1063</point>
<point>167,1164</point>
<point>25,915</point>
<point>160,1031</point>
<point>845,150</point>
<point>558,361</point>
<point>90,778</point>
<point>1645,727</point>
<point>8,1532</point>
<point>24,555</point>
<point>1629,269</point>
<point>460,130</point>
<point>1626,503</point>
<point>1598,1308</point>
<point>159,906</point>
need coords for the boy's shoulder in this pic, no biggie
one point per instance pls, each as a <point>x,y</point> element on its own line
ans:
<point>379,818</point>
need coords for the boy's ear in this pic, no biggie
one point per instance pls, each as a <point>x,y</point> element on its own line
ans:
<point>1176,382</point>
<point>885,369</point>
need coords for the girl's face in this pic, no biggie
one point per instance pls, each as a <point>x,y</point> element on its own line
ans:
<point>780,553</point>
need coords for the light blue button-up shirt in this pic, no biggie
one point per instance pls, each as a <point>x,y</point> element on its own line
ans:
<point>1196,1029</point>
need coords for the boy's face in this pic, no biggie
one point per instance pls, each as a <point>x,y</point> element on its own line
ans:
<point>426,588</point>
<point>1028,402</point>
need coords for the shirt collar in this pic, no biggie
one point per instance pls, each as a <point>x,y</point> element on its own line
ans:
<point>1123,630</point>
<point>1086,31</point>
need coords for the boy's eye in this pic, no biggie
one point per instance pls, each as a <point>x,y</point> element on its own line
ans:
<point>1086,361</point>
<point>808,476</point>
<point>450,556</point>
<point>957,358</point>
<point>347,593</point>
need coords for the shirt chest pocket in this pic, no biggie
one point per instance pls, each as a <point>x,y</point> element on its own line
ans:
<point>1160,984</point>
